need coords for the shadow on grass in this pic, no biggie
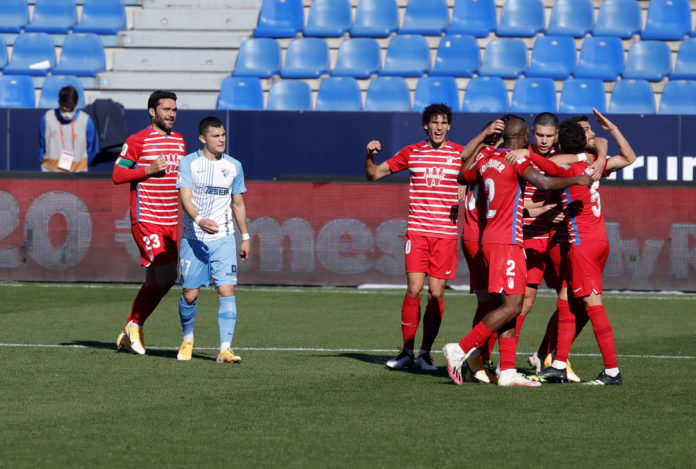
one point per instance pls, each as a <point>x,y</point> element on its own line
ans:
<point>380,360</point>
<point>160,353</point>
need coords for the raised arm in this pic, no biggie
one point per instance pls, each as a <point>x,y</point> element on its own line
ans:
<point>374,172</point>
<point>475,144</point>
<point>626,154</point>
<point>534,177</point>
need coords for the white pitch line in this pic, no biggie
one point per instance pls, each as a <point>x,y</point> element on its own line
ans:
<point>337,350</point>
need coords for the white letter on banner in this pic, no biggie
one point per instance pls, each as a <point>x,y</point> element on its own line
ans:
<point>688,164</point>
<point>652,172</point>
<point>390,240</point>
<point>630,169</point>
<point>672,168</point>
<point>272,241</point>
<point>9,214</point>
<point>79,234</point>
<point>343,245</point>
<point>682,255</point>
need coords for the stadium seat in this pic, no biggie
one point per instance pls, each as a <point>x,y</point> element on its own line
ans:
<point>258,57</point>
<point>14,16</point>
<point>457,56</point>
<point>427,17</point>
<point>580,95</point>
<point>521,18</point>
<point>53,84</point>
<point>620,18</point>
<point>475,17</point>
<point>648,60</point>
<point>387,94</point>
<point>408,55</point>
<point>533,95</point>
<point>53,16</point>
<point>82,55</point>
<point>485,94</point>
<point>431,90</point>
<point>600,57</point>
<point>339,94</point>
<point>553,57</point>
<point>280,18</point>
<point>678,97</point>
<point>504,57</point>
<point>16,91</point>
<point>290,95</point>
<point>358,57</point>
<point>685,66</point>
<point>306,57</point>
<point>102,17</point>
<point>632,97</point>
<point>375,18</point>
<point>3,52</point>
<point>33,54</point>
<point>328,18</point>
<point>240,93</point>
<point>667,20</point>
<point>571,18</point>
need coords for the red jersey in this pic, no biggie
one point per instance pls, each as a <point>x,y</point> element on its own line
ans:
<point>503,186</point>
<point>538,228</point>
<point>585,221</point>
<point>155,199</point>
<point>433,202</point>
<point>474,213</point>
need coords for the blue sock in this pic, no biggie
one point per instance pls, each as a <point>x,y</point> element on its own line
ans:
<point>187,314</point>
<point>227,318</point>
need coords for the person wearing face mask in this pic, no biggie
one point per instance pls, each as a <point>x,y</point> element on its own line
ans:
<point>68,139</point>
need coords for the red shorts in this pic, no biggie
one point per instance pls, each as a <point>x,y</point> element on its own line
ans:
<point>555,269</point>
<point>436,257</point>
<point>156,243</point>
<point>536,252</point>
<point>507,268</point>
<point>478,272</point>
<point>585,266</point>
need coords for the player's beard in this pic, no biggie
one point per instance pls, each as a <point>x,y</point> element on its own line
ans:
<point>162,124</point>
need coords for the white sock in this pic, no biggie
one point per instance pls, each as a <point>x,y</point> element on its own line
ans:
<point>613,372</point>
<point>224,346</point>
<point>559,365</point>
<point>188,337</point>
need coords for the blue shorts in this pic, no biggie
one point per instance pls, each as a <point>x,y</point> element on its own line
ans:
<point>198,260</point>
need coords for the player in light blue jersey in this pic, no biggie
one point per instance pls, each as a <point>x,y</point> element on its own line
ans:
<point>211,185</point>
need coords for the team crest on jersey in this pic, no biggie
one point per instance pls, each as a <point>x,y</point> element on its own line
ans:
<point>511,282</point>
<point>181,147</point>
<point>225,172</point>
<point>433,176</point>
<point>124,149</point>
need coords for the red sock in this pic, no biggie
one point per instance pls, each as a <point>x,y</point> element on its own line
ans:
<point>487,350</point>
<point>507,347</point>
<point>145,302</point>
<point>604,334</point>
<point>478,337</point>
<point>410,317</point>
<point>431,321</point>
<point>518,324</point>
<point>566,330</point>
<point>550,338</point>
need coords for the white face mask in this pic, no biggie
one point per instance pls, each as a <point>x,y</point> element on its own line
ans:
<point>67,115</point>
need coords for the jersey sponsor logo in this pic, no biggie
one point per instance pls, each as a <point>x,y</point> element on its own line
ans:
<point>494,164</point>
<point>433,176</point>
<point>124,149</point>
<point>217,190</point>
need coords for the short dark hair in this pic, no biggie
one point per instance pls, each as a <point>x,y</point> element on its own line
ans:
<point>437,109</point>
<point>571,137</point>
<point>207,122</point>
<point>577,119</point>
<point>491,139</point>
<point>546,119</point>
<point>155,97</point>
<point>67,96</point>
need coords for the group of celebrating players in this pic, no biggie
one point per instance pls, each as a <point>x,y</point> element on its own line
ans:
<point>531,212</point>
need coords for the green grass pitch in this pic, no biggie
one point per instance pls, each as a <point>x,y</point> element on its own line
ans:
<point>312,390</point>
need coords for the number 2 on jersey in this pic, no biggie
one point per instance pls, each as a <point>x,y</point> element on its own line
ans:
<point>490,193</point>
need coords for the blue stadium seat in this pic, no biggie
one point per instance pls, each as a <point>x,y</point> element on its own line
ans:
<point>82,55</point>
<point>428,17</point>
<point>17,91</point>
<point>358,57</point>
<point>458,55</point>
<point>258,57</point>
<point>240,93</point>
<point>14,16</point>
<point>571,18</point>
<point>485,94</point>
<point>290,95</point>
<point>33,54</point>
<point>620,18</point>
<point>533,95</point>
<point>280,18</point>
<point>521,18</point>
<point>504,57</point>
<point>678,97</point>
<point>430,90</point>
<point>53,16</point>
<point>102,17</point>
<point>580,95</point>
<point>3,52</point>
<point>328,18</point>
<point>685,66</point>
<point>408,55</point>
<point>387,94</point>
<point>667,20</point>
<point>375,18</point>
<point>339,94</point>
<point>600,57</point>
<point>53,84</point>
<point>475,17</point>
<point>306,57</point>
<point>648,60</point>
<point>553,57</point>
<point>632,97</point>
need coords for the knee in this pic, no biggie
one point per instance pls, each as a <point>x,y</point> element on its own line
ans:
<point>414,292</point>
<point>190,296</point>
